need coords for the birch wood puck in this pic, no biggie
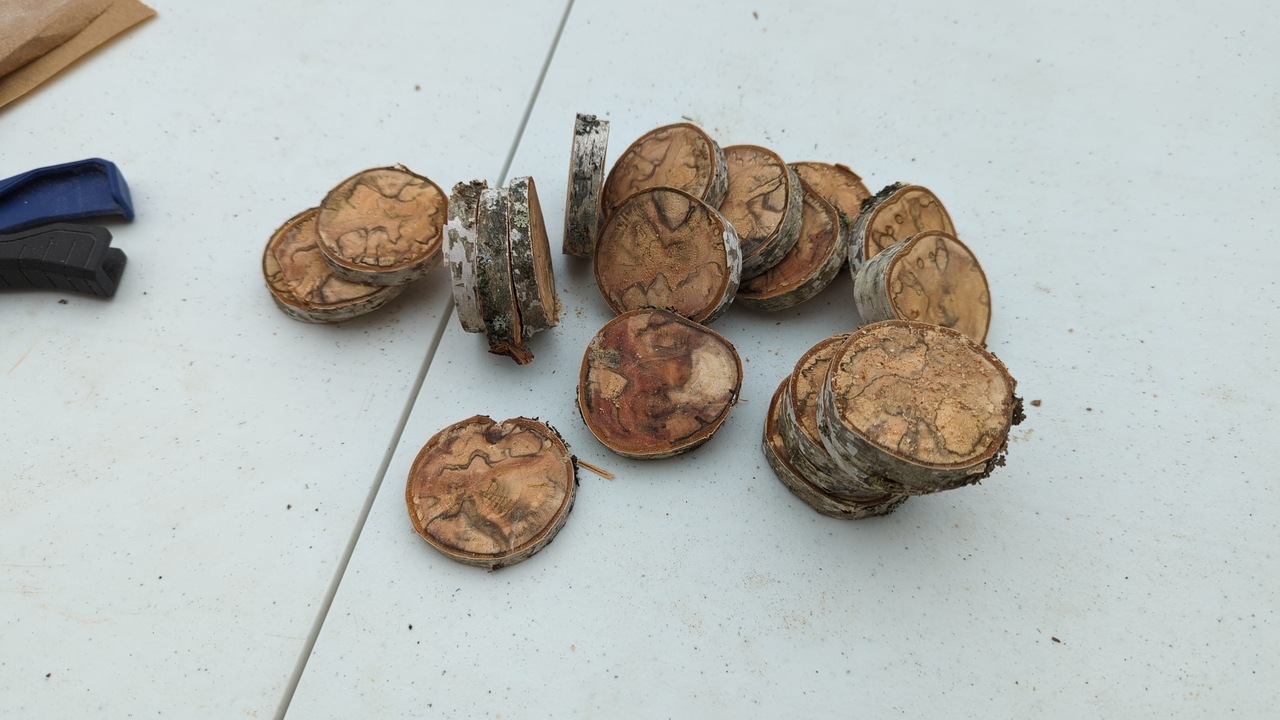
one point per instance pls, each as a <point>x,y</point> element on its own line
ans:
<point>799,428</point>
<point>460,248</point>
<point>532,276</point>
<point>921,404</point>
<point>893,215</point>
<point>586,181</point>
<point>836,184</point>
<point>764,205</point>
<point>931,277</point>
<point>495,295</point>
<point>654,384</point>
<point>304,286</point>
<point>664,248</point>
<point>491,494</point>
<point>382,226</point>
<point>776,453</point>
<point>679,156</point>
<point>812,263</point>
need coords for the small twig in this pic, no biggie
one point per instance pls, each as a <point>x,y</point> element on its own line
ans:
<point>599,471</point>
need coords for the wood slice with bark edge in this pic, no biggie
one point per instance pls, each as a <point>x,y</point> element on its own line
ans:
<point>532,278</point>
<point>383,226</point>
<point>496,297</point>
<point>654,384</point>
<point>665,248</point>
<point>839,186</point>
<point>491,494</point>
<point>764,204</point>
<point>931,277</point>
<point>304,286</point>
<point>679,156</point>
<point>799,428</point>
<point>586,181</point>
<point>776,453</point>
<point>811,265</point>
<point>895,213</point>
<point>920,404</point>
<point>460,248</point>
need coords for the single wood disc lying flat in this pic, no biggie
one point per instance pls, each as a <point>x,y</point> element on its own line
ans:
<point>893,215</point>
<point>799,428</point>
<point>931,277</point>
<point>460,247</point>
<point>920,404</point>
<point>586,181</point>
<point>491,494</point>
<point>302,283</point>
<point>654,384</point>
<point>776,453</point>
<point>763,204</point>
<point>532,277</point>
<point>811,265</point>
<point>679,156</point>
<point>665,248</point>
<point>383,226</point>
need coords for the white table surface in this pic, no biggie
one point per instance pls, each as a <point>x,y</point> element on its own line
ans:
<point>1110,165</point>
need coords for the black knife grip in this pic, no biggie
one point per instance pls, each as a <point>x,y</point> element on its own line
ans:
<point>64,256</point>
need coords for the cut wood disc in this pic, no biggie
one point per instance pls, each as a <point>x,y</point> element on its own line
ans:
<point>920,404</point>
<point>586,181</point>
<point>654,384</point>
<point>383,226</point>
<point>302,283</point>
<point>931,277</point>
<point>893,215</point>
<point>460,248</point>
<point>665,248</point>
<point>776,453</point>
<point>495,295</point>
<point>491,494</point>
<point>836,184</point>
<point>679,156</point>
<point>799,428</point>
<point>764,204</point>
<point>532,276</point>
<point>811,265</point>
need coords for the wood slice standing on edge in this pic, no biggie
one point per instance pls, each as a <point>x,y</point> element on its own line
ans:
<point>764,204</point>
<point>586,181</point>
<point>893,215</point>
<point>532,277</point>
<point>811,265</point>
<point>496,296</point>
<point>304,286</point>
<point>920,404</point>
<point>665,248</point>
<point>775,452</point>
<point>460,248</point>
<point>799,428</point>
<point>931,277</point>
<point>383,226</point>
<point>679,156</point>
<point>654,384</point>
<point>491,494</point>
<point>839,186</point>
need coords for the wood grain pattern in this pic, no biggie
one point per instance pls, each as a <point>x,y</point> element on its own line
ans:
<point>383,226</point>
<point>491,494</point>
<point>679,156</point>
<point>304,286</point>
<point>763,203</point>
<point>811,264</point>
<point>654,384</point>
<point>893,215</point>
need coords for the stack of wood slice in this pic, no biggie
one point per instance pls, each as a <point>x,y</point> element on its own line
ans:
<point>372,235</point>
<point>499,259</point>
